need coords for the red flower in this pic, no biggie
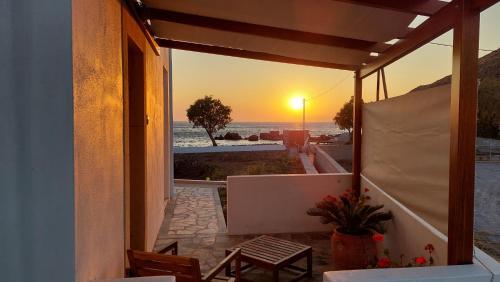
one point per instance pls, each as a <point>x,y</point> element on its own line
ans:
<point>378,237</point>
<point>420,260</point>
<point>366,190</point>
<point>330,198</point>
<point>429,247</point>
<point>384,262</point>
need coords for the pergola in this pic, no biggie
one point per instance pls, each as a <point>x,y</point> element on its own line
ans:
<point>362,36</point>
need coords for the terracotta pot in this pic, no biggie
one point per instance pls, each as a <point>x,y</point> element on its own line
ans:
<point>352,251</point>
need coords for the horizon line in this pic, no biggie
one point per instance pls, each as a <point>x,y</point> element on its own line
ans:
<point>267,121</point>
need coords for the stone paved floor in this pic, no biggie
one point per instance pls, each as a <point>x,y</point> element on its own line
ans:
<point>195,212</point>
<point>194,219</point>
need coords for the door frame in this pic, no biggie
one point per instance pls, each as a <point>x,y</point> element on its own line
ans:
<point>131,34</point>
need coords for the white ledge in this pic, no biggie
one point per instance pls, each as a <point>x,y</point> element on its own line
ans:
<point>179,181</point>
<point>453,273</point>
<point>142,279</point>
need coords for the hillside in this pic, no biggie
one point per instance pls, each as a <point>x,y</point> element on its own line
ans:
<point>489,68</point>
<point>488,97</point>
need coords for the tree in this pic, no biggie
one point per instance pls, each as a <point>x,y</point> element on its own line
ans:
<point>344,117</point>
<point>210,114</point>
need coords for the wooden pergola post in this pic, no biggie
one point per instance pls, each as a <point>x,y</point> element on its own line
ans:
<point>356,134</point>
<point>463,134</point>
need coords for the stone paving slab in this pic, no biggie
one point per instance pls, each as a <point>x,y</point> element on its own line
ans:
<point>194,218</point>
<point>194,211</point>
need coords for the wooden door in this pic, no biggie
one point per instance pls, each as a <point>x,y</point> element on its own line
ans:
<point>135,146</point>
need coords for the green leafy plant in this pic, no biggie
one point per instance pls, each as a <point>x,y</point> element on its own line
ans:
<point>351,214</point>
<point>344,118</point>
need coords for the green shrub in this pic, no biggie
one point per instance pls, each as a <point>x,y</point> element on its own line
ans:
<point>191,168</point>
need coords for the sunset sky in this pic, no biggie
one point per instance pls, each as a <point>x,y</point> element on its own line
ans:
<point>261,91</point>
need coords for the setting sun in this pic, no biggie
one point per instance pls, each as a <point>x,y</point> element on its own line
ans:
<point>296,103</point>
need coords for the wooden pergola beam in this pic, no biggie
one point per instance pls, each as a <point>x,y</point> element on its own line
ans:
<point>258,30</point>
<point>463,134</point>
<point>241,53</point>
<point>356,133</point>
<point>132,7</point>
<point>384,83</point>
<point>482,5</point>
<point>436,25</point>
<point>417,7</point>
<point>439,23</point>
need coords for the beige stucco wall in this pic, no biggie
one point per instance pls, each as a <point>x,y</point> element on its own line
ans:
<point>260,204</point>
<point>98,140</point>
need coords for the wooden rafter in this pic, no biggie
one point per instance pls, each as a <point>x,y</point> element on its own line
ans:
<point>482,5</point>
<point>196,47</point>
<point>378,85</point>
<point>417,7</point>
<point>257,29</point>
<point>356,133</point>
<point>384,83</point>
<point>132,6</point>
<point>380,73</point>
<point>440,23</point>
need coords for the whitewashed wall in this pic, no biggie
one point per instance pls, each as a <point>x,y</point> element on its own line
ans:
<point>453,273</point>
<point>324,163</point>
<point>407,233</point>
<point>278,203</point>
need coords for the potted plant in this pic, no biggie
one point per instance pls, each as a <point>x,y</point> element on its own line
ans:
<point>355,223</point>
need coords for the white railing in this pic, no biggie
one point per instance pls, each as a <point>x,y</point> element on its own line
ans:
<point>324,163</point>
<point>489,152</point>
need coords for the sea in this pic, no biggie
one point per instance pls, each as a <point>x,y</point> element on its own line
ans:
<point>187,136</point>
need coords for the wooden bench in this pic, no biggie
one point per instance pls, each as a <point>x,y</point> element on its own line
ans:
<point>274,254</point>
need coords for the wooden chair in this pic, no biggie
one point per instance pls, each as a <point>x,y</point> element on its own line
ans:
<point>184,269</point>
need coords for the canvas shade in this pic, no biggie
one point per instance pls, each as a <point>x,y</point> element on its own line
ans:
<point>405,150</point>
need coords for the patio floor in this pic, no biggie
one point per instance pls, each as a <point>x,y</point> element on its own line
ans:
<point>195,219</point>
